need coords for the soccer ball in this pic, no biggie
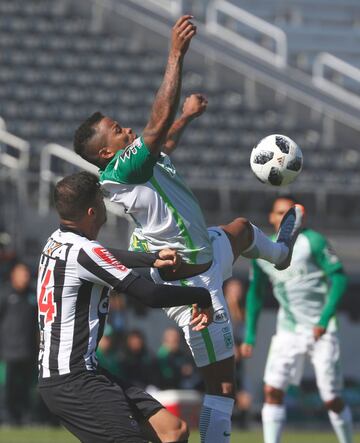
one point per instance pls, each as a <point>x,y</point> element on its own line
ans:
<point>276,160</point>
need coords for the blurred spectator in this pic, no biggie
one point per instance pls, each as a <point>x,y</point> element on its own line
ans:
<point>7,255</point>
<point>234,294</point>
<point>106,352</point>
<point>18,325</point>
<point>235,297</point>
<point>137,363</point>
<point>177,369</point>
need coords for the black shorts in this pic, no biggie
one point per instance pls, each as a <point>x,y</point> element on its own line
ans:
<point>99,408</point>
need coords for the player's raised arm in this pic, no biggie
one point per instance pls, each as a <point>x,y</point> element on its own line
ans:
<point>194,106</point>
<point>167,98</point>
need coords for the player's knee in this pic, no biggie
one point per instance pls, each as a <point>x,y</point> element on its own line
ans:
<point>242,226</point>
<point>273,395</point>
<point>179,432</point>
<point>240,234</point>
<point>336,405</point>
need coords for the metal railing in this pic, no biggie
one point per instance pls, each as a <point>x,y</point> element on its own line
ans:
<point>22,147</point>
<point>49,178</point>
<point>2,123</point>
<point>213,26</point>
<point>174,7</point>
<point>15,165</point>
<point>323,60</point>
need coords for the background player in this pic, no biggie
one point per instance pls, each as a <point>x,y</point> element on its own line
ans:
<point>146,184</point>
<point>75,275</point>
<point>308,293</point>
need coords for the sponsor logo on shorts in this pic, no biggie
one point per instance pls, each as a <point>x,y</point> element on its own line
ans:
<point>220,316</point>
<point>228,338</point>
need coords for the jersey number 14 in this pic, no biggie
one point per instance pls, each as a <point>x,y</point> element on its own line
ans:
<point>47,307</point>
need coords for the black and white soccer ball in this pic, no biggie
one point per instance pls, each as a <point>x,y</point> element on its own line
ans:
<point>276,160</point>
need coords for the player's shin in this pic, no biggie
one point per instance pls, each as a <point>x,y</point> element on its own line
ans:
<point>215,419</point>
<point>342,424</point>
<point>263,247</point>
<point>273,420</point>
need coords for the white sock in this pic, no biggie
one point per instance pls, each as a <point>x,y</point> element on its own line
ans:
<point>342,424</point>
<point>215,419</point>
<point>263,247</point>
<point>273,420</point>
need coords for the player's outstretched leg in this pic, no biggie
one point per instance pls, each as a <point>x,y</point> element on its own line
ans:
<point>341,419</point>
<point>273,414</point>
<point>249,241</point>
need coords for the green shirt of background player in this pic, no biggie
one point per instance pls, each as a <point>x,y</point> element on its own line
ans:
<point>308,293</point>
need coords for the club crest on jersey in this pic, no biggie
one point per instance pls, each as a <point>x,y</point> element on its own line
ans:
<point>166,164</point>
<point>220,316</point>
<point>105,255</point>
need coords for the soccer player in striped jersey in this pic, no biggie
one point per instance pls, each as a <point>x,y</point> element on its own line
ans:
<point>139,175</point>
<point>75,276</point>
<point>308,292</point>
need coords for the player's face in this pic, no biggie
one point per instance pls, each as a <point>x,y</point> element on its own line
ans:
<point>113,137</point>
<point>280,208</point>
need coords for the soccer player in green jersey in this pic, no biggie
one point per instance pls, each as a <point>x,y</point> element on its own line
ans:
<point>308,292</point>
<point>138,174</point>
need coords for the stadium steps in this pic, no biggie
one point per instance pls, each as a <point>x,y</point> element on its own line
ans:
<point>56,71</point>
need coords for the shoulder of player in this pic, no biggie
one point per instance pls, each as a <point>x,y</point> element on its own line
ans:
<point>260,267</point>
<point>316,240</point>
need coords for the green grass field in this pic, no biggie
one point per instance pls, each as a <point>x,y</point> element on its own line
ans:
<point>45,435</point>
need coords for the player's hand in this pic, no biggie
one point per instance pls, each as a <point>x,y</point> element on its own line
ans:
<point>194,106</point>
<point>182,33</point>
<point>168,258</point>
<point>246,350</point>
<point>201,318</point>
<point>318,332</point>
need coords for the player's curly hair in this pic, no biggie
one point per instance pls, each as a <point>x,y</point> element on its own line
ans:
<point>75,194</point>
<point>84,134</point>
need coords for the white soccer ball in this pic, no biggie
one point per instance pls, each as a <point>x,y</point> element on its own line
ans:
<point>276,160</point>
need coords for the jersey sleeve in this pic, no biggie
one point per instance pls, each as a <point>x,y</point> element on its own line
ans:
<point>97,265</point>
<point>323,254</point>
<point>254,301</point>
<point>328,261</point>
<point>133,165</point>
<point>338,284</point>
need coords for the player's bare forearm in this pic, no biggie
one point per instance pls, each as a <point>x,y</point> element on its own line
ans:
<point>167,98</point>
<point>194,106</point>
<point>175,133</point>
<point>165,104</point>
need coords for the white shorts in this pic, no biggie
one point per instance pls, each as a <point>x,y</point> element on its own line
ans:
<point>216,342</point>
<point>286,358</point>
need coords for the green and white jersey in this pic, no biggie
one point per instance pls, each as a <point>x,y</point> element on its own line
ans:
<point>302,289</point>
<point>165,211</point>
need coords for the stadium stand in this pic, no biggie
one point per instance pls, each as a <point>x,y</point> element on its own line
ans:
<point>56,69</point>
<point>312,27</point>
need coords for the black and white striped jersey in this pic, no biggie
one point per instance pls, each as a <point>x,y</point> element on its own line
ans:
<point>75,275</point>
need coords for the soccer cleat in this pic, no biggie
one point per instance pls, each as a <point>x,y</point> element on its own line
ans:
<point>288,232</point>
